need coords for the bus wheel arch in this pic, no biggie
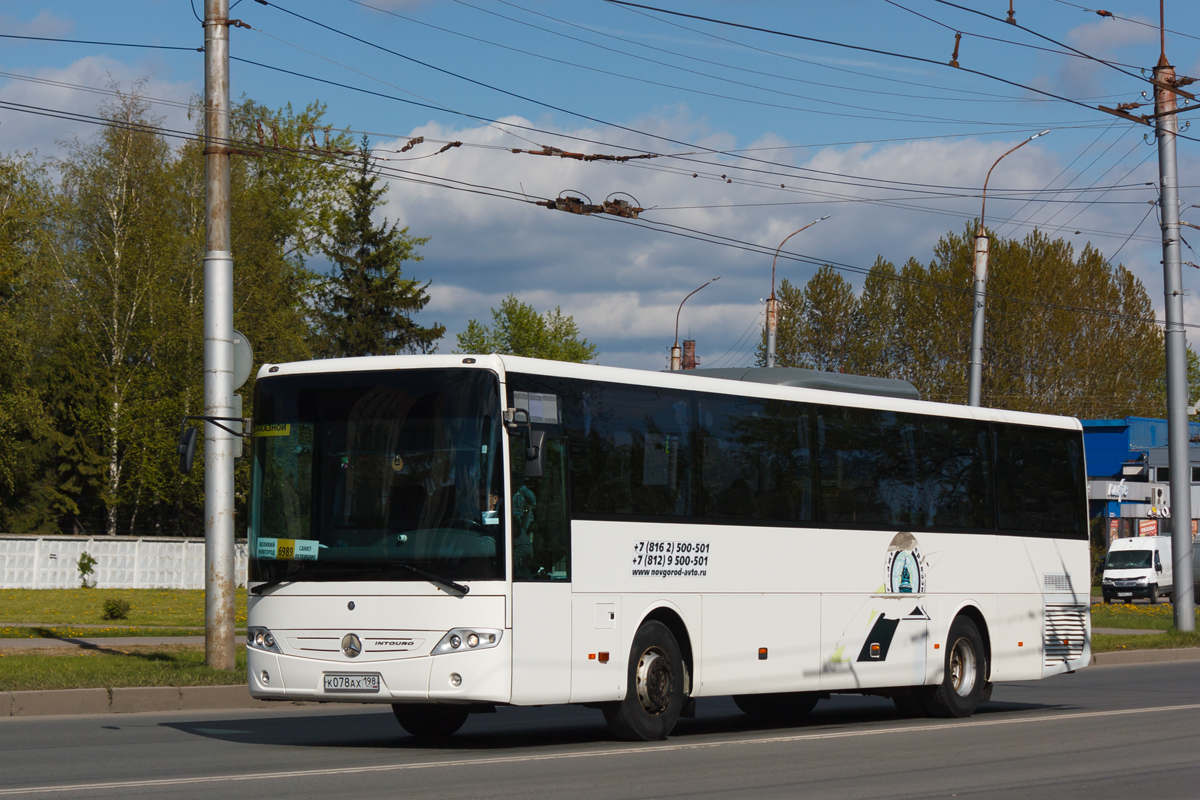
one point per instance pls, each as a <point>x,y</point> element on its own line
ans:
<point>655,686</point>
<point>671,617</point>
<point>963,684</point>
<point>972,612</point>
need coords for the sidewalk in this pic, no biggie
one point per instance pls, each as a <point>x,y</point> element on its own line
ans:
<point>129,700</point>
<point>95,643</point>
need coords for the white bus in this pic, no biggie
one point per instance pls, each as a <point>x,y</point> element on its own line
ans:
<point>448,534</point>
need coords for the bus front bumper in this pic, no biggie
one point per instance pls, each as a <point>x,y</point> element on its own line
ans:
<point>480,676</point>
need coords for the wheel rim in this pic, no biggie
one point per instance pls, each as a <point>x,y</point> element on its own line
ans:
<point>655,681</point>
<point>962,667</point>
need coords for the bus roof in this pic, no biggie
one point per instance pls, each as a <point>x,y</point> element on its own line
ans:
<point>691,380</point>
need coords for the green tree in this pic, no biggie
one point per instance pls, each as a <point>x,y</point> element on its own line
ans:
<point>517,329</point>
<point>368,306</point>
<point>24,204</point>
<point>816,323</point>
<point>113,313</point>
<point>1041,351</point>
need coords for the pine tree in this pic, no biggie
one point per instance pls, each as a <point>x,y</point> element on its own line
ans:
<point>367,306</point>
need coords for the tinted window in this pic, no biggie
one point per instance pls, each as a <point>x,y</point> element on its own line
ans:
<point>633,454</point>
<point>755,460</point>
<point>1039,480</point>
<point>868,467</point>
<point>955,467</point>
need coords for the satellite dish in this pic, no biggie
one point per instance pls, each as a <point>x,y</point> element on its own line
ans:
<point>243,359</point>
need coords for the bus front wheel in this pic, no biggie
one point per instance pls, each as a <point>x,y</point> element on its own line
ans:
<point>654,687</point>
<point>965,674</point>
<point>429,721</point>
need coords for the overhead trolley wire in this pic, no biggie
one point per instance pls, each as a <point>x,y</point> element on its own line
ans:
<point>986,98</point>
<point>892,116</point>
<point>1102,13</point>
<point>509,194</point>
<point>993,38</point>
<point>876,51</point>
<point>104,44</point>
<point>559,108</point>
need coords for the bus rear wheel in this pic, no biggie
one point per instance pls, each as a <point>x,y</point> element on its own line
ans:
<point>428,721</point>
<point>778,705</point>
<point>964,676</point>
<point>654,687</point>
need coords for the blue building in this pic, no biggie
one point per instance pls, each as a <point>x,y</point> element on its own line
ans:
<point>1129,476</point>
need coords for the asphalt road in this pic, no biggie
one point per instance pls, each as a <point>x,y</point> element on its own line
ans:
<point>1104,732</point>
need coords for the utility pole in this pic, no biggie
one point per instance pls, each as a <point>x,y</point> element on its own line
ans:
<point>979,287</point>
<point>772,303</point>
<point>219,565</point>
<point>1166,125</point>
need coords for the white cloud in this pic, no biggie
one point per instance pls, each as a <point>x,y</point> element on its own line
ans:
<point>623,283</point>
<point>44,24</point>
<point>54,89</point>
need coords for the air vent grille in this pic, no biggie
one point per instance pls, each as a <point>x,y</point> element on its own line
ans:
<point>1066,628</point>
<point>1056,582</point>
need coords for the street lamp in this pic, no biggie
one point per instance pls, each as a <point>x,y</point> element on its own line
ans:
<point>980,285</point>
<point>675,356</point>
<point>772,303</point>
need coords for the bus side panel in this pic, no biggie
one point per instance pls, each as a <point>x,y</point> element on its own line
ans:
<point>598,658</point>
<point>541,642</point>
<point>874,640</point>
<point>1016,634</point>
<point>737,626</point>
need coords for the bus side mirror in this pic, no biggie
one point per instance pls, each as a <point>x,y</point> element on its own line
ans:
<point>186,449</point>
<point>535,455</point>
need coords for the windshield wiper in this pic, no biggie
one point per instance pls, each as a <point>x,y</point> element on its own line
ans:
<point>436,580</point>
<point>308,574</point>
<point>373,569</point>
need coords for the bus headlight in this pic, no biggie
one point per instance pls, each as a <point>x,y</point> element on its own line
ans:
<point>261,639</point>
<point>474,638</point>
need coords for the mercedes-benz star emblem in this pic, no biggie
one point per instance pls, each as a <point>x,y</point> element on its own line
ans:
<point>351,645</point>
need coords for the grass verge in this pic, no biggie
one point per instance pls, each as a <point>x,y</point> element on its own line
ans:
<point>172,608</point>
<point>108,668</point>
<point>1113,643</point>
<point>1143,616</point>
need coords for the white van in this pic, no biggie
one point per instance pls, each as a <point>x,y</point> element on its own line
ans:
<point>1137,567</point>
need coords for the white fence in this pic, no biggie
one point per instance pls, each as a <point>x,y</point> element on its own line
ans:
<point>122,562</point>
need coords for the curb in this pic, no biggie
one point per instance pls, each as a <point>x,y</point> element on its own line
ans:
<point>1145,656</point>
<point>138,699</point>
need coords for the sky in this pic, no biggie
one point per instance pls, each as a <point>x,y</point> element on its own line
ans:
<point>753,134</point>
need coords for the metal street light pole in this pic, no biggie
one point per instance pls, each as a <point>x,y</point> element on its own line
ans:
<point>219,566</point>
<point>980,286</point>
<point>676,361</point>
<point>1166,126</point>
<point>772,303</point>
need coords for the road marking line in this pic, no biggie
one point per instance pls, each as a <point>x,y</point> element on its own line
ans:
<point>616,751</point>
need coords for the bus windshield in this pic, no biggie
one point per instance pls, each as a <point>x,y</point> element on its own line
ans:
<point>369,474</point>
<point>1128,559</point>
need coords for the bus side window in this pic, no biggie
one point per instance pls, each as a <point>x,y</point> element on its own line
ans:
<point>541,530</point>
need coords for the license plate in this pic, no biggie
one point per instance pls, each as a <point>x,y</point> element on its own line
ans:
<point>1124,594</point>
<point>351,682</point>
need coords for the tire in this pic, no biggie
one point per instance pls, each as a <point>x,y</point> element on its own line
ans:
<point>427,721</point>
<point>654,687</point>
<point>964,673</point>
<point>911,705</point>
<point>1153,598</point>
<point>779,705</point>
